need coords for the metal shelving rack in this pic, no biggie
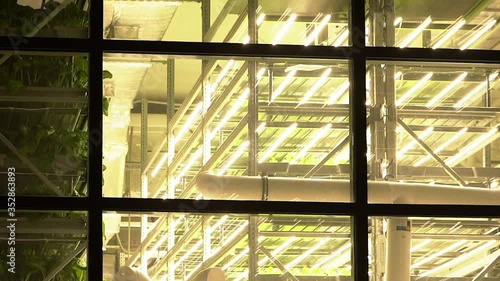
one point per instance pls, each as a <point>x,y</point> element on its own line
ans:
<point>359,56</point>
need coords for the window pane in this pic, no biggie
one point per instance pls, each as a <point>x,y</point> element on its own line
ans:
<point>419,248</point>
<point>276,22</point>
<point>38,245</point>
<point>434,127</point>
<point>301,126</point>
<point>43,133</point>
<point>183,246</point>
<point>429,24</point>
<point>27,18</point>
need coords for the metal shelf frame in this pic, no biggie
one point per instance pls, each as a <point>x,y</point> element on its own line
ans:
<point>357,54</point>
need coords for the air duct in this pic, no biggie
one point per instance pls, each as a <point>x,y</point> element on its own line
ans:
<point>127,273</point>
<point>320,190</point>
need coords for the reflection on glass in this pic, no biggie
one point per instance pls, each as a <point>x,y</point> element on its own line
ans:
<point>433,128</point>
<point>427,24</point>
<point>433,248</point>
<point>38,245</point>
<point>186,245</point>
<point>43,136</point>
<point>25,18</point>
<point>198,121</point>
<point>276,22</point>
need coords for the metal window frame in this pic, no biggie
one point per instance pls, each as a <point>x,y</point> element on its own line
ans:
<point>358,55</point>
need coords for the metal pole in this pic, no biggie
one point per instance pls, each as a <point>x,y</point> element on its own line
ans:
<point>327,157</point>
<point>66,261</point>
<point>486,269</point>
<point>144,176</point>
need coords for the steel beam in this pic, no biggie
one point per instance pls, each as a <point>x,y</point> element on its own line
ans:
<point>281,266</point>
<point>343,143</point>
<point>66,261</point>
<point>480,276</point>
<point>449,170</point>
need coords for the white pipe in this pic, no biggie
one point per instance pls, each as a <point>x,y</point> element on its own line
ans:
<point>319,190</point>
<point>398,255</point>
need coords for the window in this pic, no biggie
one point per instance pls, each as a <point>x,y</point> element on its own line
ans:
<point>185,120</point>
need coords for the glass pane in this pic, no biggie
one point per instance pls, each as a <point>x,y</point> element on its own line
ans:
<point>426,248</point>
<point>189,246</point>
<point>276,22</point>
<point>39,245</point>
<point>301,128</point>
<point>36,18</point>
<point>467,24</point>
<point>43,133</point>
<point>434,127</point>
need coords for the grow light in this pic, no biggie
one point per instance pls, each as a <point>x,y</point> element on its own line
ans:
<point>321,81</point>
<point>414,89</point>
<point>317,30</point>
<point>443,146</point>
<point>284,29</point>
<point>415,33</point>
<point>277,143</point>
<point>478,34</point>
<point>446,90</point>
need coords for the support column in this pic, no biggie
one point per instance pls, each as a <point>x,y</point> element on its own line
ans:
<point>398,256</point>
<point>171,151</point>
<point>206,88</point>
<point>253,258</point>
<point>144,177</point>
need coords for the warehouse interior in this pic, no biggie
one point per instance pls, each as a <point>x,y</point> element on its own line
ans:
<point>174,121</point>
<point>434,124</point>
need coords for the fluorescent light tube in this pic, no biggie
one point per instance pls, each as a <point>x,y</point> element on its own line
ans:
<point>478,34</point>
<point>458,259</point>
<point>284,84</point>
<point>446,90</point>
<point>341,39</point>
<point>306,253</point>
<point>261,127</point>
<point>311,143</point>
<point>438,254</point>
<point>415,33</point>
<point>317,30</point>
<point>414,89</point>
<point>232,111</point>
<point>442,146</point>
<point>471,96</point>
<point>316,86</point>
<point>333,255</point>
<point>284,29</point>
<point>398,21</point>
<point>419,246</point>
<point>479,142</point>
<point>234,157</point>
<point>338,93</point>
<point>277,142</point>
<point>413,142</point>
<point>235,259</point>
<point>450,33</point>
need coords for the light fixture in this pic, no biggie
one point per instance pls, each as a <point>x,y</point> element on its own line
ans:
<point>479,142</point>
<point>398,21</point>
<point>438,254</point>
<point>234,157</point>
<point>321,81</point>
<point>398,75</point>
<point>407,41</point>
<point>260,74</point>
<point>446,90</point>
<point>283,84</point>
<point>333,255</point>
<point>451,140</point>
<point>420,246</point>
<point>189,123</point>
<point>261,127</point>
<point>317,30</point>
<point>235,259</point>
<point>478,34</point>
<point>341,39</point>
<point>277,142</point>
<point>185,169</point>
<point>221,76</point>
<point>311,143</point>
<point>218,224</point>
<point>258,22</point>
<point>413,142</point>
<point>278,250</point>
<point>160,164</point>
<point>338,93</point>
<point>471,96</point>
<point>165,236</point>
<point>232,111</point>
<point>306,253</point>
<point>284,29</point>
<point>454,28</point>
<point>188,253</point>
<point>414,89</point>
<point>459,259</point>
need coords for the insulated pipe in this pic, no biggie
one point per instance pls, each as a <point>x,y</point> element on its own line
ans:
<point>398,254</point>
<point>319,190</point>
